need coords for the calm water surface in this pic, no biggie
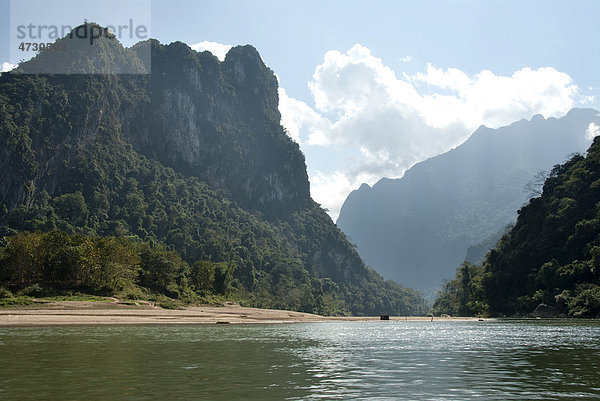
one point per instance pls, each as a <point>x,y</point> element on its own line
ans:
<point>524,360</point>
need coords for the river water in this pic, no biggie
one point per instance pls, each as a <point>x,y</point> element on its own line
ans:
<point>394,360</point>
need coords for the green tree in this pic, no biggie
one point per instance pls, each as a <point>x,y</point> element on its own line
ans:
<point>159,268</point>
<point>202,277</point>
<point>72,207</point>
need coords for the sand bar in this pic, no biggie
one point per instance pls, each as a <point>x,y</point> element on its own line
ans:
<point>98,313</point>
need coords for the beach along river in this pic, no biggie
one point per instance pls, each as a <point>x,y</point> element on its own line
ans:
<point>506,360</point>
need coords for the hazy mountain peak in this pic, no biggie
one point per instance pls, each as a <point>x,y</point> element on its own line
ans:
<point>537,118</point>
<point>415,229</point>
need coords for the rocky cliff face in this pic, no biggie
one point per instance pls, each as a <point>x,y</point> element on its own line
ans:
<point>217,121</point>
<point>191,156</point>
<point>220,122</point>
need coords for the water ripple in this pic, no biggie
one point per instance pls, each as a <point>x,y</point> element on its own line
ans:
<point>520,360</point>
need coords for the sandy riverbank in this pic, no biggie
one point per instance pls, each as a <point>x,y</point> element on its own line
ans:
<point>98,313</point>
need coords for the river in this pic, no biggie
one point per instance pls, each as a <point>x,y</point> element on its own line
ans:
<point>394,360</point>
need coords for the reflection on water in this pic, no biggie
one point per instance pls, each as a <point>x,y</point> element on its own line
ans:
<point>341,360</point>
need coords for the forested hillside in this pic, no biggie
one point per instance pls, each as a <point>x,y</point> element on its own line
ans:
<point>189,164</point>
<point>550,257</point>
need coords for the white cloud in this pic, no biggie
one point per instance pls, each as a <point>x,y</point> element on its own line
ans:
<point>6,66</point>
<point>331,189</point>
<point>218,49</point>
<point>393,121</point>
<point>593,130</point>
<point>495,100</point>
<point>297,115</point>
<point>406,59</point>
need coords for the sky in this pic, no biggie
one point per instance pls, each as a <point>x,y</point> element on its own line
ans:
<point>370,88</point>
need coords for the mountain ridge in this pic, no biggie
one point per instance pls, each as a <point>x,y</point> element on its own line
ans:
<point>191,157</point>
<point>415,229</point>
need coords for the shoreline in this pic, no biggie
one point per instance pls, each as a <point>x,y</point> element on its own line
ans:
<point>73,313</point>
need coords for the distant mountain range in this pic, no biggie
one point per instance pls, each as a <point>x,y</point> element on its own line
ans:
<point>416,229</point>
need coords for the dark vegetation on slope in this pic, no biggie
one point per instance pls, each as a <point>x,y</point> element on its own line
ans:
<point>189,165</point>
<point>550,257</point>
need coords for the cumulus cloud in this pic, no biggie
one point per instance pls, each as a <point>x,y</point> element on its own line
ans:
<point>297,115</point>
<point>218,49</point>
<point>394,121</point>
<point>593,130</point>
<point>495,100</point>
<point>6,66</point>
